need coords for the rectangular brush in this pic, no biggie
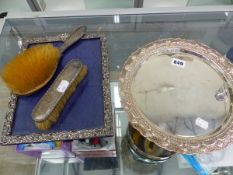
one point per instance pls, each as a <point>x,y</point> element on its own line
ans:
<point>49,107</point>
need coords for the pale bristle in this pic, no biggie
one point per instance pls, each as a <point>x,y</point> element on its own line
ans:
<point>43,125</point>
<point>54,116</point>
<point>31,69</point>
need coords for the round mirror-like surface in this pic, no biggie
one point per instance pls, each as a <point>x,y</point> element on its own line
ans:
<point>181,94</point>
<point>178,95</point>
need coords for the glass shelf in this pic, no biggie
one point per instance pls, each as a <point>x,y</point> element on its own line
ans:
<point>125,33</point>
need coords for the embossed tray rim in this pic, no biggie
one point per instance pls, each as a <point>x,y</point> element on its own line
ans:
<point>106,130</point>
<point>184,145</point>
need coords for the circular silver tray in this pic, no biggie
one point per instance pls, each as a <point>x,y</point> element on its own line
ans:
<point>178,94</point>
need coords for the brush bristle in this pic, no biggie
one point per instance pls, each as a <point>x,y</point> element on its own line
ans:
<point>30,69</point>
<point>54,116</point>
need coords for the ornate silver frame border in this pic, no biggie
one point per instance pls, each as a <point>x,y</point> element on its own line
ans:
<point>106,130</point>
<point>201,144</point>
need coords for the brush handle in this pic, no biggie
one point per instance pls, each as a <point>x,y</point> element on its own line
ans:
<point>74,37</point>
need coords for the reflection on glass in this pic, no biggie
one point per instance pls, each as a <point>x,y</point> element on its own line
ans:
<point>181,94</point>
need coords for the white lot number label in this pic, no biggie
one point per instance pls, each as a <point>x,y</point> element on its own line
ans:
<point>178,63</point>
<point>202,123</point>
<point>62,86</point>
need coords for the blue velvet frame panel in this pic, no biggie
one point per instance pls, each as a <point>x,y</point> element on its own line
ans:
<point>85,108</point>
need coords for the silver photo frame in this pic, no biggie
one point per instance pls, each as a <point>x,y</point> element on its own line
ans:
<point>106,130</point>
